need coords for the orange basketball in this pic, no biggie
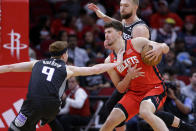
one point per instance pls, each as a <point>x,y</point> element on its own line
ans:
<point>145,49</point>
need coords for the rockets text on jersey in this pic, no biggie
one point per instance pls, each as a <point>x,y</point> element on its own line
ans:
<point>131,60</point>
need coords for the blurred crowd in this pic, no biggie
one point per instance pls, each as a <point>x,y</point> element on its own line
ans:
<point>171,21</point>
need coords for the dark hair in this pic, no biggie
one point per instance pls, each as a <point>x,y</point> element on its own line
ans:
<point>114,24</point>
<point>58,47</point>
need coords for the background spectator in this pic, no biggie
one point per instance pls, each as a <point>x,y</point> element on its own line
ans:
<point>170,62</point>
<point>189,34</point>
<point>190,90</point>
<point>79,55</point>
<point>76,111</point>
<point>158,18</point>
<point>165,34</point>
<point>94,83</point>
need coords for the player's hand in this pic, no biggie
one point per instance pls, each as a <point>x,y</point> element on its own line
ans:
<point>120,56</point>
<point>154,53</point>
<point>134,72</point>
<point>171,94</point>
<point>94,8</point>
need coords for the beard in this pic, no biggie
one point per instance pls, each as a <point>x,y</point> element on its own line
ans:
<point>126,16</point>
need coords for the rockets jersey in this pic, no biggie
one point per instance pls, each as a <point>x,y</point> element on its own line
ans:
<point>127,30</point>
<point>131,56</point>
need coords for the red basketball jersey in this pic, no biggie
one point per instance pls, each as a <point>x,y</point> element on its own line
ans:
<point>131,56</point>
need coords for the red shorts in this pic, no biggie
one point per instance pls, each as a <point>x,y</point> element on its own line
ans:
<point>130,102</point>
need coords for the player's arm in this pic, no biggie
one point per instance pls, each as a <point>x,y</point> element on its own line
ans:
<point>18,67</point>
<point>158,48</point>
<point>100,14</point>
<point>123,84</point>
<point>132,73</point>
<point>140,42</point>
<point>84,71</point>
<point>114,76</point>
<point>96,69</point>
<point>140,31</point>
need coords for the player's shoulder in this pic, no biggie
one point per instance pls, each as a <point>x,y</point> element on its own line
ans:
<point>141,26</point>
<point>140,30</point>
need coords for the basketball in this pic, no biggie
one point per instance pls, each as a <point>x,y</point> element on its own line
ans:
<point>145,49</point>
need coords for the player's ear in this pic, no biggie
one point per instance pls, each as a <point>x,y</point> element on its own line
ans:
<point>65,56</point>
<point>136,7</point>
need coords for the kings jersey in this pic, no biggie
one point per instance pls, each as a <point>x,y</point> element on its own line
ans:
<point>132,57</point>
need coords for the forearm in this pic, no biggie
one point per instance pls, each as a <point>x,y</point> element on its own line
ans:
<point>18,67</point>
<point>96,69</point>
<point>101,68</point>
<point>164,47</point>
<point>181,106</point>
<point>5,68</point>
<point>104,17</point>
<point>75,103</point>
<point>108,19</point>
<point>124,84</point>
<point>78,102</point>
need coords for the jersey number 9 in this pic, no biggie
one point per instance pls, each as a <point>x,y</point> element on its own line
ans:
<point>49,72</point>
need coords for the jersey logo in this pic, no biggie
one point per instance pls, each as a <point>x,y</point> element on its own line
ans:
<point>129,61</point>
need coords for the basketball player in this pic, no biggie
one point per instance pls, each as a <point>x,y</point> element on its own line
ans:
<point>144,95</point>
<point>133,27</point>
<point>47,84</point>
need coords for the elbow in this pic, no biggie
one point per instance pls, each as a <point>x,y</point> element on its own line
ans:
<point>166,48</point>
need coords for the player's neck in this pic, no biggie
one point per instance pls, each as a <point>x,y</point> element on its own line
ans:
<point>119,44</point>
<point>131,20</point>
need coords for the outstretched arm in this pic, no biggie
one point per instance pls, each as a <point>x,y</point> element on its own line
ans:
<point>96,69</point>
<point>100,14</point>
<point>18,67</point>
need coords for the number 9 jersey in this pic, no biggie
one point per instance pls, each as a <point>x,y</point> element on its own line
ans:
<point>48,79</point>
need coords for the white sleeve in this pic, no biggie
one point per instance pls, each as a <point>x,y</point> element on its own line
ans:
<point>78,102</point>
